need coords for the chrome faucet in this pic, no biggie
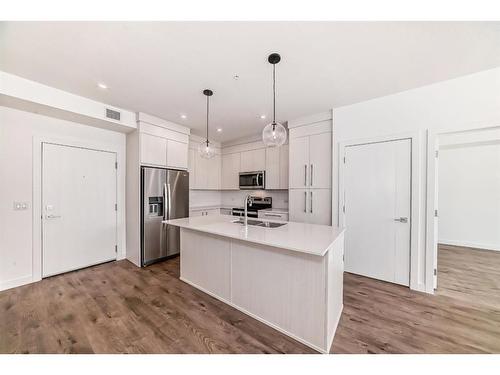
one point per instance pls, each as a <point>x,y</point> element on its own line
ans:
<point>248,202</point>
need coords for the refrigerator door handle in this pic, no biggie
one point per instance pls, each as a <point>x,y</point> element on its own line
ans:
<point>165,214</point>
<point>169,204</point>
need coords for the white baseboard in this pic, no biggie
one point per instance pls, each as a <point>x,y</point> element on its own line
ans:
<point>12,283</point>
<point>475,245</point>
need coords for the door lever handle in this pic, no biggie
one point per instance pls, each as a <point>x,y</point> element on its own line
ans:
<point>402,219</point>
<point>52,216</point>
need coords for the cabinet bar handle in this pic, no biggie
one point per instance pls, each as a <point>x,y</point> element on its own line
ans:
<point>311,175</point>
<point>305,174</point>
<point>311,208</point>
<point>305,201</point>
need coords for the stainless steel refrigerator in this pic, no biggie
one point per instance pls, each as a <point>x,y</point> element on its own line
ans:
<point>165,195</point>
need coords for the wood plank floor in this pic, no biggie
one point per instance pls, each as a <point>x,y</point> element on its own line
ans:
<point>119,308</point>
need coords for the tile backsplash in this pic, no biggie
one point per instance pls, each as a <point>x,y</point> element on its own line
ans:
<point>234,198</point>
<point>204,198</point>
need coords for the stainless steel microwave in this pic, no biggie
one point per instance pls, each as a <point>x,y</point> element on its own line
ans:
<point>252,180</point>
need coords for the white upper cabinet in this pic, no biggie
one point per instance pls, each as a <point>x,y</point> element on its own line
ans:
<point>214,173</point>
<point>253,160</point>
<point>299,162</point>
<point>320,160</point>
<point>277,167</point>
<point>311,161</point>
<point>153,150</point>
<point>230,171</point>
<point>284,165</point>
<point>204,174</point>
<point>163,144</point>
<point>177,154</point>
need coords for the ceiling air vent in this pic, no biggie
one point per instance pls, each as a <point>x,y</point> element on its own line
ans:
<point>112,114</point>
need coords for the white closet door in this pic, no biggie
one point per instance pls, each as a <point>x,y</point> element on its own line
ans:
<point>79,216</point>
<point>377,210</point>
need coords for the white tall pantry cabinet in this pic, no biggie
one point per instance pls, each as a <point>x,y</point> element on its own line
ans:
<point>155,143</point>
<point>310,169</point>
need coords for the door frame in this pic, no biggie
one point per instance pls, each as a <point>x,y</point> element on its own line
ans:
<point>415,177</point>
<point>37,244</point>
<point>432,199</point>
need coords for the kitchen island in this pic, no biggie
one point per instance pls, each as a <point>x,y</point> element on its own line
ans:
<point>288,277</point>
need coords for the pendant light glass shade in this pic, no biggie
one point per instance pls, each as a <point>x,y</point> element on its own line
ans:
<point>204,149</point>
<point>274,134</point>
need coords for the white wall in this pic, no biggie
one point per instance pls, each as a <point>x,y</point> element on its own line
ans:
<point>467,102</point>
<point>17,131</point>
<point>469,193</point>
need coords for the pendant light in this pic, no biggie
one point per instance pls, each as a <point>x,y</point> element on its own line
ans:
<point>205,150</point>
<point>274,134</point>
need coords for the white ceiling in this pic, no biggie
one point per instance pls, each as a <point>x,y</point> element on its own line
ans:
<point>161,68</point>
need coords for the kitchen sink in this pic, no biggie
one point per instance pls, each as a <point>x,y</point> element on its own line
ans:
<point>259,223</point>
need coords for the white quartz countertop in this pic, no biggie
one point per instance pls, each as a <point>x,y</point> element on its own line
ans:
<point>208,207</point>
<point>301,237</point>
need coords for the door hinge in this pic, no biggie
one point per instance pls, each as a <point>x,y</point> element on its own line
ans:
<point>344,159</point>
<point>116,207</point>
<point>435,213</point>
<point>116,248</point>
<point>437,153</point>
<point>116,165</point>
<point>435,272</point>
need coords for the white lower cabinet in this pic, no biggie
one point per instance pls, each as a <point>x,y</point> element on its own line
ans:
<point>204,212</point>
<point>312,206</point>
<point>226,211</point>
<point>320,206</point>
<point>297,205</point>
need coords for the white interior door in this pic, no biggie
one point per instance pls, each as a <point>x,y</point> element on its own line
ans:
<point>79,215</point>
<point>436,217</point>
<point>377,210</point>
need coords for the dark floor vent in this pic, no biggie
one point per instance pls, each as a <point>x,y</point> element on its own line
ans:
<point>114,115</point>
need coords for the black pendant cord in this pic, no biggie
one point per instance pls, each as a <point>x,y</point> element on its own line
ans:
<point>207,118</point>
<point>274,96</point>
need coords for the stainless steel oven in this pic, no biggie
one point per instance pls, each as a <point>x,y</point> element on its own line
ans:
<point>252,180</point>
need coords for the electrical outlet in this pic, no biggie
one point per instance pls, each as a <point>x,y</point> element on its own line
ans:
<point>20,206</point>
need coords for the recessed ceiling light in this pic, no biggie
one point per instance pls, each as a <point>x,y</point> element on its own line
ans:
<point>262,117</point>
<point>219,129</point>
<point>102,85</point>
<point>183,116</point>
